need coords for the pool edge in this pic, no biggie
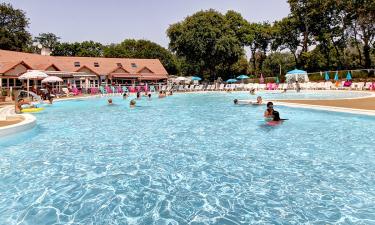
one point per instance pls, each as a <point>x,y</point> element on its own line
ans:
<point>28,123</point>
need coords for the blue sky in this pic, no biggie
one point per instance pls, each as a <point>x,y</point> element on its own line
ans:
<point>111,21</point>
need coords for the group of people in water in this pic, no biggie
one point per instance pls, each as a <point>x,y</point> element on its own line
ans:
<point>132,103</point>
<point>271,116</point>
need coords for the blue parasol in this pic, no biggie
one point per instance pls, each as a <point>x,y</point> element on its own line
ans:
<point>296,71</point>
<point>336,76</point>
<point>242,77</point>
<point>326,76</point>
<point>196,78</point>
<point>348,76</point>
<point>231,81</point>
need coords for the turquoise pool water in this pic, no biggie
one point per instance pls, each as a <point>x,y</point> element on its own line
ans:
<point>188,159</point>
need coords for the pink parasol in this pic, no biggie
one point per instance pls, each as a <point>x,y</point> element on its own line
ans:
<point>261,80</point>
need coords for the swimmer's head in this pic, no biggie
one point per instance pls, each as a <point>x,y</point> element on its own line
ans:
<point>259,98</point>
<point>110,101</point>
<point>132,102</point>
<point>269,105</point>
<point>235,101</point>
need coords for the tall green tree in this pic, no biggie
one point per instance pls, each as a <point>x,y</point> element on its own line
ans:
<point>206,40</point>
<point>286,35</point>
<point>329,30</point>
<point>13,28</point>
<point>143,49</point>
<point>90,49</point>
<point>303,12</point>
<point>86,48</point>
<point>258,36</point>
<point>278,61</point>
<point>48,40</point>
<point>361,14</point>
<point>66,49</point>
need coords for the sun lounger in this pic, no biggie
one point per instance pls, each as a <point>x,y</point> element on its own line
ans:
<point>367,86</point>
<point>67,92</point>
<point>262,86</point>
<point>241,87</point>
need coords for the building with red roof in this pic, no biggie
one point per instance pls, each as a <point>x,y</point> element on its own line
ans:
<point>94,70</point>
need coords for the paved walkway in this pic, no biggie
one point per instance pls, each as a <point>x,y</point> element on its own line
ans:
<point>361,103</point>
<point>11,121</point>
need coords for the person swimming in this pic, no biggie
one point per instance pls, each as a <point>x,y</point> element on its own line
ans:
<point>149,96</point>
<point>268,114</point>
<point>125,95</point>
<point>259,101</point>
<point>138,95</point>
<point>22,104</point>
<point>298,87</point>
<point>110,102</point>
<point>161,94</point>
<point>252,91</point>
<point>132,103</point>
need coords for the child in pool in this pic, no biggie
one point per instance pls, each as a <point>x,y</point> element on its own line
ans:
<point>276,119</point>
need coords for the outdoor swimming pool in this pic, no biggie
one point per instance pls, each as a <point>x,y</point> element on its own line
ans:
<point>188,159</point>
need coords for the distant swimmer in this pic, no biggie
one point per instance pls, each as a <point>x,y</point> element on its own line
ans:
<point>125,95</point>
<point>252,91</point>
<point>241,102</point>
<point>110,102</point>
<point>298,86</point>
<point>259,101</point>
<point>22,104</point>
<point>161,94</point>
<point>132,103</point>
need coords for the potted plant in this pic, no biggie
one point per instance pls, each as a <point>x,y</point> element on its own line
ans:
<point>3,95</point>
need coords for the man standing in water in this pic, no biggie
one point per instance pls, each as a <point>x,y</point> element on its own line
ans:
<point>268,114</point>
<point>298,87</point>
